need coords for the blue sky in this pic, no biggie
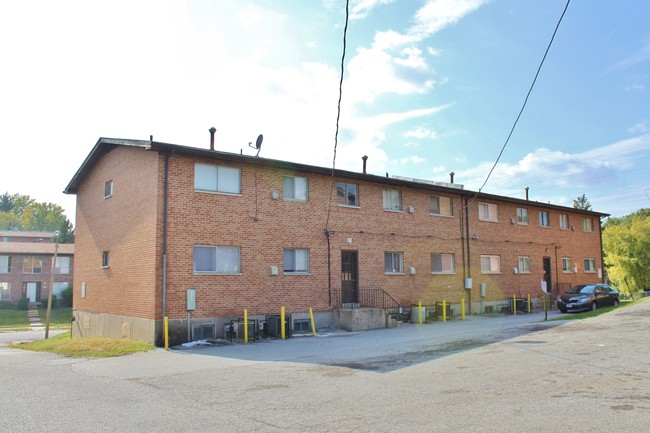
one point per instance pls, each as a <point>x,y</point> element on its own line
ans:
<point>430,87</point>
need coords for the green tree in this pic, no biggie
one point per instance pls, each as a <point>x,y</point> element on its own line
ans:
<point>626,245</point>
<point>43,217</point>
<point>581,202</point>
<point>21,212</point>
<point>15,203</point>
<point>9,221</point>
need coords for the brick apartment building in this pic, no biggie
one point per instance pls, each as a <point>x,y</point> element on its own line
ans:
<point>26,265</point>
<point>156,219</point>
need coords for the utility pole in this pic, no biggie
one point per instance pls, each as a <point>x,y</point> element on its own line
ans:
<point>51,288</point>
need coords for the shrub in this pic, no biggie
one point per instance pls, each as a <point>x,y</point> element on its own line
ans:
<point>22,304</point>
<point>66,296</point>
<point>6,305</point>
<point>44,302</point>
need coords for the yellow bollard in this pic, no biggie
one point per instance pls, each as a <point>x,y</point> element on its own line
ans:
<point>529,310</point>
<point>444,310</point>
<point>283,332</point>
<point>420,311</point>
<point>462,308</point>
<point>245,326</point>
<point>166,320</point>
<point>313,324</point>
<point>514,305</point>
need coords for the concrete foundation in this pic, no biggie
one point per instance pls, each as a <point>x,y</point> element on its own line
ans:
<point>361,319</point>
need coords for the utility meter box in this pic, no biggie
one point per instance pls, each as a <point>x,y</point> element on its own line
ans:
<point>191,299</point>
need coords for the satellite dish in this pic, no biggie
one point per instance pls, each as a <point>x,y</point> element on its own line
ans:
<point>258,143</point>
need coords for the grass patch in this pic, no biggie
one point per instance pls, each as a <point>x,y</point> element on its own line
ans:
<point>59,317</point>
<point>598,312</point>
<point>92,347</point>
<point>14,319</point>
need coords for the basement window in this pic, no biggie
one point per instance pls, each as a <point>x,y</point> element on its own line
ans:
<point>301,326</point>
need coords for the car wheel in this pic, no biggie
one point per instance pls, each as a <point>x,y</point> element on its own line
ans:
<point>594,306</point>
<point>616,301</point>
<point>562,310</point>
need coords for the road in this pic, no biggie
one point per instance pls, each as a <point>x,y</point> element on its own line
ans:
<point>507,374</point>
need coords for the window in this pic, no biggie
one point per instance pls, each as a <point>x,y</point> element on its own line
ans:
<point>564,221</point>
<point>490,264</point>
<point>524,265</point>
<point>442,263</point>
<point>296,261</point>
<point>543,219</point>
<point>108,189</point>
<point>213,178</point>
<point>392,200</point>
<point>32,265</point>
<point>106,259</point>
<point>5,264</point>
<point>62,265</point>
<point>440,205</point>
<point>59,288</point>
<point>295,188</point>
<point>566,264</point>
<point>394,263</point>
<point>347,194</point>
<point>590,265</point>
<point>522,216</point>
<point>587,224</point>
<point>216,260</point>
<point>488,212</point>
<point>5,291</point>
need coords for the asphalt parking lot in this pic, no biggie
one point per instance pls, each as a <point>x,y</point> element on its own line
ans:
<point>500,374</point>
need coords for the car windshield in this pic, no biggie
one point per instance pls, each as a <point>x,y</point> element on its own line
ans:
<point>586,289</point>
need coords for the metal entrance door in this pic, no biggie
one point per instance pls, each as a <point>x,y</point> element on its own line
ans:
<point>548,276</point>
<point>349,277</point>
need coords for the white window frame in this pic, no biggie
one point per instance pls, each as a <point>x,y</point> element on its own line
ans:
<point>291,191</point>
<point>393,263</point>
<point>443,204</point>
<point>392,200</point>
<point>5,264</point>
<point>590,265</point>
<point>544,218</point>
<point>343,199</point>
<point>300,260</point>
<point>564,222</point>
<point>5,291</point>
<point>62,266</point>
<point>567,266</point>
<point>494,264</point>
<point>32,267</point>
<point>106,259</point>
<point>218,179</point>
<point>224,260</point>
<point>108,189</point>
<point>522,216</point>
<point>587,224</point>
<point>488,212</point>
<point>446,261</point>
<point>523,264</point>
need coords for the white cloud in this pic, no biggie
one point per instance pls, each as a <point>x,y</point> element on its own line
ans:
<point>438,169</point>
<point>433,51</point>
<point>363,7</point>
<point>412,160</point>
<point>638,128</point>
<point>421,133</point>
<point>636,87</point>
<point>413,58</point>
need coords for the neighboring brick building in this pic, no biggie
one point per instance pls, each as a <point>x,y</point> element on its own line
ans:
<point>26,265</point>
<point>155,219</point>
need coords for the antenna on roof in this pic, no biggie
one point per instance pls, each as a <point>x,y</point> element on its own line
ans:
<point>258,144</point>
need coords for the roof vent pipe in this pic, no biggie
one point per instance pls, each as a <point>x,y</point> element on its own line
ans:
<point>365,158</point>
<point>212,131</point>
<point>451,177</point>
<point>526,193</point>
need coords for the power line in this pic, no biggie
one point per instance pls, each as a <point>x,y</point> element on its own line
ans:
<point>338,114</point>
<point>524,104</point>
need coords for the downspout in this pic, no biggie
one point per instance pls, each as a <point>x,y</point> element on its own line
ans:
<point>602,254</point>
<point>164,242</point>
<point>329,266</point>
<point>469,260</point>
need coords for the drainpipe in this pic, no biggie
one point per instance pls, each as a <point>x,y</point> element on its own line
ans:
<point>469,260</point>
<point>602,255</point>
<point>164,244</point>
<point>329,266</point>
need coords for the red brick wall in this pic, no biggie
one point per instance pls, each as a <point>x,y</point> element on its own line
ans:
<point>126,225</point>
<point>129,224</point>
<point>17,277</point>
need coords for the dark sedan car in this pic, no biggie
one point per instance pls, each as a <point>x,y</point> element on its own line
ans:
<point>587,297</point>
